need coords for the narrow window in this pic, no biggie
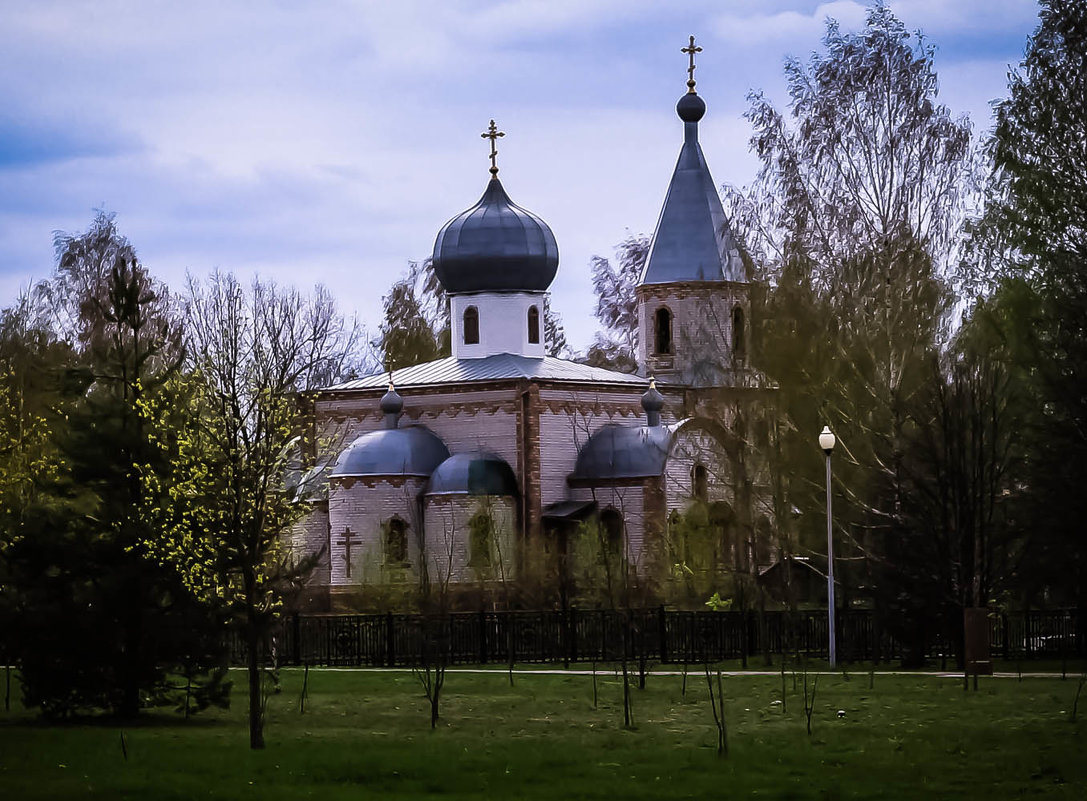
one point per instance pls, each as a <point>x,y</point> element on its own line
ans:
<point>663,338</point>
<point>480,539</point>
<point>396,542</point>
<point>699,482</point>
<point>611,530</point>
<point>471,326</point>
<point>534,325</point>
<point>738,344</point>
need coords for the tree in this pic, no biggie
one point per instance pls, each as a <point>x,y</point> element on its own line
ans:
<point>617,305</point>
<point>554,333</point>
<point>407,336</point>
<point>1035,228</point>
<point>103,626</point>
<point>855,220</point>
<point>251,353</point>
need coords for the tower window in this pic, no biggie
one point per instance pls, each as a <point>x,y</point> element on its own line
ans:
<point>663,333</point>
<point>738,344</point>
<point>534,325</point>
<point>699,482</point>
<point>471,326</point>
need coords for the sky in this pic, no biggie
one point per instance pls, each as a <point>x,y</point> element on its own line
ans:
<point>328,142</point>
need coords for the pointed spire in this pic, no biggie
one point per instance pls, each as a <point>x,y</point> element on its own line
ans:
<point>693,240</point>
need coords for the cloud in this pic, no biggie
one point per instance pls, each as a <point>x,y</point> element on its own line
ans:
<point>788,27</point>
<point>330,141</point>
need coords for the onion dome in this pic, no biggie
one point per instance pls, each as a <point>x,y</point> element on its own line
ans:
<point>391,405</point>
<point>473,474</point>
<point>495,246</point>
<point>653,402</point>
<point>618,451</point>
<point>392,451</point>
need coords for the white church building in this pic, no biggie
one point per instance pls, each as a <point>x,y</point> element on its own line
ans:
<point>481,470</point>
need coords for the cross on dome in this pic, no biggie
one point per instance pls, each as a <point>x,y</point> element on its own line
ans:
<point>690,50</point>
<point>493,134</point>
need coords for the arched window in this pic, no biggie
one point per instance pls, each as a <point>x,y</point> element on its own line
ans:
<point>471,326</point>
<point>663,331</point>
<point>611,530</point>
<point>738,343</point>
<point>534,325</point>
<point>699,482</point>
<point>396,542</point>
<point>480,539</point>
<point>723,523</point>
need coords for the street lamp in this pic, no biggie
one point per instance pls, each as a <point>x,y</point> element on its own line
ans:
<point>826,442</point>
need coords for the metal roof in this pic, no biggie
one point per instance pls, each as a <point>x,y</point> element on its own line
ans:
<point>618,451</point>
<point>693,241</point>
<point>495,246</point>
<point>407,451</point>
<point>473,474</point>
<point>500,366</point>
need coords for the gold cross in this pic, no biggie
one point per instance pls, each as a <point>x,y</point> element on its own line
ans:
<point>493,134</point>
<point>690,50</point>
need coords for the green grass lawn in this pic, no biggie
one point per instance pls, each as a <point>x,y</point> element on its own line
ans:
<point>366,734</point>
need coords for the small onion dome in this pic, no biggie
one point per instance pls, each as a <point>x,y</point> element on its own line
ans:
<point>392,404</point>
<point>473,474</point>
<point>408,451</point>
<point>691,107</point>
<point>653,402</point>
<point>618,451</point>
<point>495,246</point>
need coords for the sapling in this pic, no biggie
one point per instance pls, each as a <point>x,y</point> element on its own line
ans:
<point>1079,689</point>
<point>809,700</point>
<point>717,704</point>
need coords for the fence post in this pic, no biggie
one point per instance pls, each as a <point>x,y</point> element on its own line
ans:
<point>662,633</point>
<point>296,631</point>
<point>390,641</point>
<point>483,637</point>
<point>571,646</point>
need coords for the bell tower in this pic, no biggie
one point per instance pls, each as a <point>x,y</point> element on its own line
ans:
<point>694,296</point>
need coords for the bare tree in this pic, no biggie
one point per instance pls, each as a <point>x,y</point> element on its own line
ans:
<point>252,352</point>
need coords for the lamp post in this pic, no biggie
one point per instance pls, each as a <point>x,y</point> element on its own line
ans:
<point>826,442</point>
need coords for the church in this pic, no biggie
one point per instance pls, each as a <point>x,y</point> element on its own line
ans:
<point>501,472</point>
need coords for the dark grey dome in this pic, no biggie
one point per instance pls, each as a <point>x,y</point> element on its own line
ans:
<point>408,451</point>
<point>496,246</point>
<point>618,451</point>
<point>473,474</point>
<point>691,107</point>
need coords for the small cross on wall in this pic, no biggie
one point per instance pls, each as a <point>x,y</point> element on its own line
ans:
<point>347,541</point>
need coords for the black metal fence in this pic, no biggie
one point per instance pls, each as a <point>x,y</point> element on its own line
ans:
<point>659,635</point>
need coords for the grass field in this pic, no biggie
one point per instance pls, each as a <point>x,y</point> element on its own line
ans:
<point>366,734</point>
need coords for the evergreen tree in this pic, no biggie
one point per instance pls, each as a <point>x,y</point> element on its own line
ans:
<point>1036,227</point>
<point>104,626</point>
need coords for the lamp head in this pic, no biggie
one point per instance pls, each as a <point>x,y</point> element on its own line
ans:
<point>826,440</point>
